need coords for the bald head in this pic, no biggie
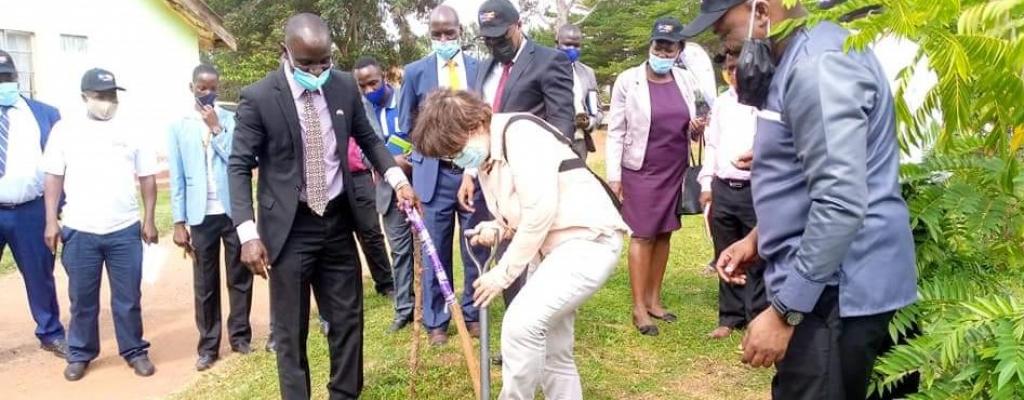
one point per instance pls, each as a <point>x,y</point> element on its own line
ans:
<point>444,24</point>
<point>307,39</point>
<point>569,36</point>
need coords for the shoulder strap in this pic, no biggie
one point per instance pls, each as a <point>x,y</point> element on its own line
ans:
<point>568,164</point>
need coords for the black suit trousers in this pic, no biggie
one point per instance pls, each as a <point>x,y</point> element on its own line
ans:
<point>207,238</point>
<point>319,253</point>
<point>371,239</point>
<point>732,218</point>
<point>831,357</point>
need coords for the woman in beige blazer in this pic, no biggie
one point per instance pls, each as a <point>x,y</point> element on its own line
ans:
<point>651,115</point>
<point>554,210</point>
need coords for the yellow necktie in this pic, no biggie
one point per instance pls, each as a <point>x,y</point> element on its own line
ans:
<point>453,76</point>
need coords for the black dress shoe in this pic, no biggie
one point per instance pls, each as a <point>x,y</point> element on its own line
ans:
<point>438,337</point>
<point>75,371</point>
<point>241,348</point>
<point>59,347</point>
<point>205,362</point>
<point>142,366</point>
<point>398,324</point>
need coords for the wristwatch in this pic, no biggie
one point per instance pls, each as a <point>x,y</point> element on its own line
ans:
<point>792,318</point>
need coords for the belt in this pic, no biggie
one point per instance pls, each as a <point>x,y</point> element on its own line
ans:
<point>12,206</point>
<point>449,165</point>
<point>361,172</point>
<point>735,183</point>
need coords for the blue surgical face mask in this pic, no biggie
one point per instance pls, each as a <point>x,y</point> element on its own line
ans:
<point>307,80</point>
<point>379,96</point>
<point>572,52</point>
<point>472,156</point>
<point>447,49</point>
<point>9,93</point>
<point>660,66</point>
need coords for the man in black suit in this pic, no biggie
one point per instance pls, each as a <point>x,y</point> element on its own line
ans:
<point>520,76</point>
<point>295,125</point>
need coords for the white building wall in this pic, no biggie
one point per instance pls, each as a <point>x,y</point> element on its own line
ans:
<point>147,45</point>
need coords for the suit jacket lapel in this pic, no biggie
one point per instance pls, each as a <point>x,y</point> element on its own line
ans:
<point>481,74</point>
<point>518,68</point>
<point>333,91</point>
<point>291,114</point>
<point>471,68</point>
<point>431,81</point>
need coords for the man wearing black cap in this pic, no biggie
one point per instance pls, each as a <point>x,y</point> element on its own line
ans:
<point>521,76</point>
<point>24,130</point>
<point>101,226</point>
<point>834,230</point>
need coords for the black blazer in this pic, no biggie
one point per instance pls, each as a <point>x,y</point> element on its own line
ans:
<point>540,83</point>
<point>268,135</point>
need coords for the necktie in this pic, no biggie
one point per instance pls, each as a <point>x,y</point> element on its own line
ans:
<point>454,83</point>
<point>496,104</point>
<point>5,125</point>
<point>313,145</point>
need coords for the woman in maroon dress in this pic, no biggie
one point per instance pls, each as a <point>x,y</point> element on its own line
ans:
<point>648,143</point>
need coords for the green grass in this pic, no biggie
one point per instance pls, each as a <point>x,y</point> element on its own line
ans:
<point>614,360</point>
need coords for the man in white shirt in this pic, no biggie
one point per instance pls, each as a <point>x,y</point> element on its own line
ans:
<point>586,101</point>
<point>725,186</point>
<point>25,126</point>
<point>95,160</point>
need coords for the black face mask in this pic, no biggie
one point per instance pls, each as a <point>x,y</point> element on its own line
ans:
<point>755,68</point>
<point>754,72</point>
<point>504,51</point>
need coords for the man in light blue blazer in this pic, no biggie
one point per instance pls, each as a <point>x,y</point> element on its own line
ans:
<point>438,182</point>
<point>198,150</point>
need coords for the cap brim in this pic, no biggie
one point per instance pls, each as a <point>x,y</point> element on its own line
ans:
<point>493,31</point>
<point>702,23</point>
<point>669,37</point>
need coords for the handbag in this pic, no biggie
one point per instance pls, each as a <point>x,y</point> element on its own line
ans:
<point>689,200</point>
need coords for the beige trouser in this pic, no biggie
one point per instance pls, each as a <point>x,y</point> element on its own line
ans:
<point>537,332</point>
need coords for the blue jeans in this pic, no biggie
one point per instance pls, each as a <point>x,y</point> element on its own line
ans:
<point>83,257</point>
<point>439,217</point>
<point>22,228</point>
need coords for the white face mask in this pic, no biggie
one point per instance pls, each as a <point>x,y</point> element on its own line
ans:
<point>101,110</point>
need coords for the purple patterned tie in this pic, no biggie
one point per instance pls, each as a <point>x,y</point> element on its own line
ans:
<point>313,144</point>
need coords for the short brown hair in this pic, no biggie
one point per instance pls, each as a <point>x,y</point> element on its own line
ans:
<point>445,121</point>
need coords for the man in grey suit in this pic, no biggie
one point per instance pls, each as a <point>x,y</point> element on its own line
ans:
<point>834,231</point>
<point>381,103</point>
<point>585,99</point>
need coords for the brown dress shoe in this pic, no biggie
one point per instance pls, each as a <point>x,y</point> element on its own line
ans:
<point>474,329</point>
<point>438,337</point>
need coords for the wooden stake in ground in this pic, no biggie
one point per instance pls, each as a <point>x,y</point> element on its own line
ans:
<point>417,317</point>
<point>422,238</point>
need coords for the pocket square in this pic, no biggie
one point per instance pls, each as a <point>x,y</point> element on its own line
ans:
<point>339,112</point>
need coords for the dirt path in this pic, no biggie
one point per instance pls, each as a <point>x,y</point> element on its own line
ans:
<point>167,310</point>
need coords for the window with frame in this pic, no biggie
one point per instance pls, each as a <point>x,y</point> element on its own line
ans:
<point>19,45</point>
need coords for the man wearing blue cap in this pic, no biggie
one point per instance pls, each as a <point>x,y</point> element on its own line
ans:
<point>24,130</point>
<point>101,227</point>
<point>834,230</point>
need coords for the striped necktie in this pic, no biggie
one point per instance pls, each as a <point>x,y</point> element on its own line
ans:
<point>5,125</point>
